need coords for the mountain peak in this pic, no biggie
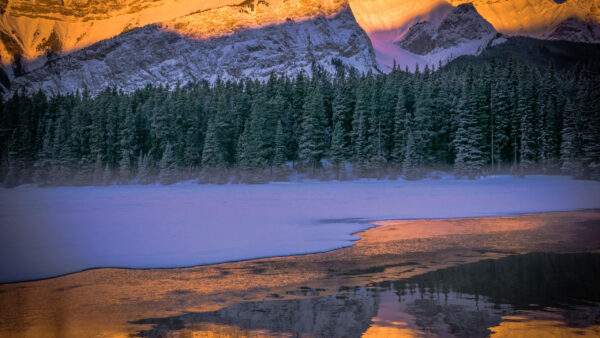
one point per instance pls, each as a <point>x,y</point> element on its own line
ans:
<point>461,25</point>
<point>465,8</point>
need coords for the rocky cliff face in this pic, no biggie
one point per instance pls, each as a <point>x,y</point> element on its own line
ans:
<point>157,54</point>
<point>31,28</point>
<point>61,45</point>
<point>574,29</point>
<point>389,21</point>
<point>462,25</point>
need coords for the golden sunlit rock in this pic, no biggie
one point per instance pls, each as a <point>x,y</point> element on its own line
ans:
<point>32,28</point>
<point>519,17</point>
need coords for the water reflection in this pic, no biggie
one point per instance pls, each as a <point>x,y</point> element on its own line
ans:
<point>546,294</point>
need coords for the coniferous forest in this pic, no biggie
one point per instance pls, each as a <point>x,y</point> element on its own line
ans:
<point>473,120</point>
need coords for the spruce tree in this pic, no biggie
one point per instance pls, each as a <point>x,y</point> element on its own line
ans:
<point>571,158</point>
<point>337,151</point>
<point>528,134</point>
<point>360,127</point>
<point>500,124</point>
<point>279,158</point>
<point>98,175</point>
<point>168,167</point>
<point>144,172</point>
<point>107,175</point>
<point>401,124</point>
<point>468,138</point>
<point>313,140</point>
<point>212,156</point>
<point>411,162</point>
<point>590,111</point>
<point>125,167</point>
<point>244,150</point>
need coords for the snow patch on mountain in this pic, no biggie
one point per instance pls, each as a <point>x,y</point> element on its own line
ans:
<point>155,55</point>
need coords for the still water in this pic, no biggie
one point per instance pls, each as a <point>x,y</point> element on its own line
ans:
<point>538,294</point>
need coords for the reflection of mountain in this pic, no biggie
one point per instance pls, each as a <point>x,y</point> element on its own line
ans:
<point>346,315</point>
<point>466,301</point>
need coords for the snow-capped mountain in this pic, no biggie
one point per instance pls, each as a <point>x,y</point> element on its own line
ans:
<point>252,39</point>
<point>63,45</point>
<point>387,22</point>
<point>461,31</point>
<point>30,29</point>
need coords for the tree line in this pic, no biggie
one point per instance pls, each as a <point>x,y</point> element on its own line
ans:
<point>497,117</point>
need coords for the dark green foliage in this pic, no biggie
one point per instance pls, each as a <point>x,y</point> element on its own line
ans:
<point>410,164</point>
<point>168,167</point>
<point>313,142</point>
<point>279,158</point>
<point>495,116</point>
<point>468,138</point>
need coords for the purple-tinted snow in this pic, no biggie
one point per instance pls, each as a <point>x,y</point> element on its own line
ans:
<point>51,231</point>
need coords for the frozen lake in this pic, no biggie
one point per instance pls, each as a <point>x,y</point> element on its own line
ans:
<point>46,232</point>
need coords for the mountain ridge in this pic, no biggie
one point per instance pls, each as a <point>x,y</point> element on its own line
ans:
<point>152,54</point>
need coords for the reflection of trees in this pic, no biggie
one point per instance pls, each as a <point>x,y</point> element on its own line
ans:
<point>465,300</point>
<point>541,278</point>
<point>341,315</point>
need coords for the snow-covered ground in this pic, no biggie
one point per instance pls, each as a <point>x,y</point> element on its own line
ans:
<point>51,231</point>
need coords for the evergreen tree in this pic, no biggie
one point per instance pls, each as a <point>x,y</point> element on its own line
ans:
<point>360,125</point>
<point>337,151</point>
<point>495,114</point>
<point>245,150</point>
<point>468,138</point>
<point>527,111</point>
<point>571,141</point>
<point>500,125</point>
<point>410,164</point>
<point>125,170</point>
<point>107,175</point>
<point>212,156</point>
<point>98,175</point>
<point>313,141</point>
<point>401,124</point>
<point>144,173</point>
<point>590,103</point>
<point>279,157</point>
<point>168,167</point>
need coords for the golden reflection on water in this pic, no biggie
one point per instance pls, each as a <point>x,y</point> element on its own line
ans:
<point>211,330</point>
<point>390,331</point>
<point>108,302</point>
<point>540,324</point>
